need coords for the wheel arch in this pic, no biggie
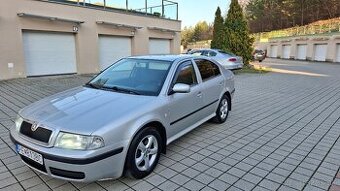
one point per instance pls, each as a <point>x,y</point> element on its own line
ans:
<point>227,93</point>
<point>161,129</point>
<point>158,126</point>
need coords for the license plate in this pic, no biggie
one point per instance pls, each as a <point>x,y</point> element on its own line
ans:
<point>30,154</point>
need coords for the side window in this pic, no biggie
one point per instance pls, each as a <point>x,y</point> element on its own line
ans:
<point>207,69</point>
<point>211,53</point>
<point>186,74</point>
<point>205,53</point>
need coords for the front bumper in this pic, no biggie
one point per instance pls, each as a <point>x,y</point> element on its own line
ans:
<point>87,167</point>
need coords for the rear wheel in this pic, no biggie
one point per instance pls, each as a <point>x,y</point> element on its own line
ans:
<point>222,111</point>
<point>144,153</point>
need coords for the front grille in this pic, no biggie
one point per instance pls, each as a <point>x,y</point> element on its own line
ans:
<point>40,134</point>
<point>33,164</point>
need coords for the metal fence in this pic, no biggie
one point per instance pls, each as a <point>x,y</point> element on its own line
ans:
<point>158,8</point>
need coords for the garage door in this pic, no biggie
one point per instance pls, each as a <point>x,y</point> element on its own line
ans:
<point>49,53</point>
<point>113,48</point>
<point>273,51</point>
<point>337,58</point>
<point>159,46</point>
<point>320,51</point>
<point>286,51</point>
<point>302,51</point>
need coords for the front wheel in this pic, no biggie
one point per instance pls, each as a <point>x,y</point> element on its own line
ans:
<point>222,111</point>
<point>144,153</point>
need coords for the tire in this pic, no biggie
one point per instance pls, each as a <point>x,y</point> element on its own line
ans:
<point>140,152</point>
<point>222,111</point>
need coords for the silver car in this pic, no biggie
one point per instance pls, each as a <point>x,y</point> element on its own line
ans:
<point>228,60</point>
<point>121,121</point>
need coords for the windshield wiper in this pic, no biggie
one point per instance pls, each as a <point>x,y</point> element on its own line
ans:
<point>124,90</point>
<point>92,86</point>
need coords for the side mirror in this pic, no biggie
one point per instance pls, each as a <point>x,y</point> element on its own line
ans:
<point>181,88</point>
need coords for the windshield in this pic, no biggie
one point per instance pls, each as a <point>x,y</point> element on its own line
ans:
<point>134,76</point>
<point>259,51</point>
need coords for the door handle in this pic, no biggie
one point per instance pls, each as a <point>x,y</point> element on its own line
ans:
<point>199,94</point>
<point>221,83</point>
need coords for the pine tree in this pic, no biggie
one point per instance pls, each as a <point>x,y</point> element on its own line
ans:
<point>237,39</point>
<point>218,34</point>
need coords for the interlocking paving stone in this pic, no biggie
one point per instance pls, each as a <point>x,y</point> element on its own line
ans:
<point>117,186</point>
<point>219,185</point>
<point>143,186</point>
<point>12,187</point>
<point>168,185</point>
<point>180,179</point>
<point>283,133</point>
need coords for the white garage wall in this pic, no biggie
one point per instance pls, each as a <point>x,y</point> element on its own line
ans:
<point>49,53</point>
<point>112,49</point>
<point>159,46</point>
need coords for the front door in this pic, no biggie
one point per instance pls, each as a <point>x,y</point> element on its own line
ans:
<point>184,108</point>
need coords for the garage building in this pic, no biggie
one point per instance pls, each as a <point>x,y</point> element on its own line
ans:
<point>53,37</point>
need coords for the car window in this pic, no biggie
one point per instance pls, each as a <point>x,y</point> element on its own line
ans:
<point>186,74</point>
<point>259,51</point>
<point>212,53</point>
<point>197,53</point>
<point>207,69</point>
<point>205,53</point>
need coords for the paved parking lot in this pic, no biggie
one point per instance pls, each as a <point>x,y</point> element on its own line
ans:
<point>283,134</point>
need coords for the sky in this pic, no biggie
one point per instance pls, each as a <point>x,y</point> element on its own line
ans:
<point>193,11</point>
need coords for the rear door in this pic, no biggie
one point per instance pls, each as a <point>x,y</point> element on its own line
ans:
<point>184,107</point>
<point>212,84</point>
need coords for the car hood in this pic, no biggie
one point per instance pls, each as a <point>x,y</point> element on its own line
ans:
<point>83,110</point>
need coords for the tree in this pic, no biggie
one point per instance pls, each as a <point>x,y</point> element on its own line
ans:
<point>186,36</point>
<point>218,33</point>
<point>237,39</point>
<point>201,31</point>
<point>268,15</point>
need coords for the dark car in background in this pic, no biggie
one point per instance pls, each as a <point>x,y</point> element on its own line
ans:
<point>259,55</point>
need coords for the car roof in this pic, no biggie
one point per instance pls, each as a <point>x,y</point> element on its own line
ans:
<point>207,49</point>
<point>165,57</point>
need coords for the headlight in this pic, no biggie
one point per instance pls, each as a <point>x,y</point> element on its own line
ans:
<point>18,122</point>
<point>78,142</point>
